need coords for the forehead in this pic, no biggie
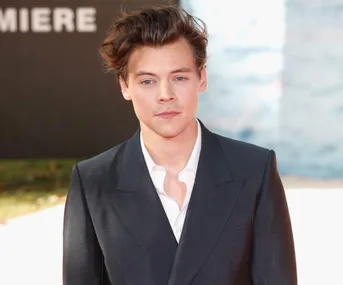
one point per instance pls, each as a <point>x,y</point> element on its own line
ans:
<point>163,59</point>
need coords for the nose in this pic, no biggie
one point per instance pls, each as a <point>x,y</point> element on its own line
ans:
<point>166,93</point>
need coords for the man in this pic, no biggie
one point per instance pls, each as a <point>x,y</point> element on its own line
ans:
<point>175,204</point>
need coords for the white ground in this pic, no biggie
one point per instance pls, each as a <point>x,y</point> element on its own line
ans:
<point>31,246</point>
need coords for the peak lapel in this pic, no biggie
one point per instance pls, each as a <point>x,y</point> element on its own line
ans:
<point>137,203</point>
<point>212,201</point>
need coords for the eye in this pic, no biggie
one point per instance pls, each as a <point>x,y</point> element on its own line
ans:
<point>180,78</point>
<point>147,82</point>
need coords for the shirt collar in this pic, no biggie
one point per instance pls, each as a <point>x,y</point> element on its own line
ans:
<point>192,163</point>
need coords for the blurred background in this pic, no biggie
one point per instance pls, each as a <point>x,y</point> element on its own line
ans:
<point>275,72</point>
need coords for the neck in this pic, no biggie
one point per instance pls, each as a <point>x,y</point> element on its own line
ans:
<point>171,153</point>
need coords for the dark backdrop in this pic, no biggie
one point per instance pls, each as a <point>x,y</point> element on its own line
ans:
<point>55,99</point>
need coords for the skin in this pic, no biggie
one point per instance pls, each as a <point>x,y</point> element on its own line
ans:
<point>163,84</point>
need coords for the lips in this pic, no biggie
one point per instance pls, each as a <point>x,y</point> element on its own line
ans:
<point>168,115</point>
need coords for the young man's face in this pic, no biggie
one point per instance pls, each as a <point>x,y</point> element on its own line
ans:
<point>163,84</point>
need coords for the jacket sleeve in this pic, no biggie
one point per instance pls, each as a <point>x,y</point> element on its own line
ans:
<point>273,260</point>
<point>82,257</point>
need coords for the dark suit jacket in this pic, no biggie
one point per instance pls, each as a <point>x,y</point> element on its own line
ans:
<point>237,229</point>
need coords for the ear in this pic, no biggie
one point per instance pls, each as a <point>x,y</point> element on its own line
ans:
<point>203,80</point>
<point>124,89</point>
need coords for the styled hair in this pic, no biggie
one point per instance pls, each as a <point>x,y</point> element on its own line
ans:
<point>154,27</point>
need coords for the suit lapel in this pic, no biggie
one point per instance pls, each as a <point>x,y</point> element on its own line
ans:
<point>140,209</point>
<point>212,201</point>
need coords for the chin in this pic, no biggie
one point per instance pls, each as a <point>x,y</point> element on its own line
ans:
<point>169,131</point>
<point>168,134</point>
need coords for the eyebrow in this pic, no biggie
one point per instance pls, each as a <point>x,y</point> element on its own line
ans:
<point>179,70</point>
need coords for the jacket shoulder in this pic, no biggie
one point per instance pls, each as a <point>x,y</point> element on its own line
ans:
<point>243,147</point>
<point>247,159</point>
<point>96,166</point>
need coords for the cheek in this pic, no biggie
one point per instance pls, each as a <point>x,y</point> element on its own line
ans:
<point>189,98</point>
<point>142,102</point>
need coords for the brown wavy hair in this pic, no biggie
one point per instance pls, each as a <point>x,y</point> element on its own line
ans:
<point>155,27</point>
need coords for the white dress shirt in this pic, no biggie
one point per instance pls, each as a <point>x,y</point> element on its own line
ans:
<point>176,216</point>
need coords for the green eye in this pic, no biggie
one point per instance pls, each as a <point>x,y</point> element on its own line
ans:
<point>181,78</point>
<point>147,82</point>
